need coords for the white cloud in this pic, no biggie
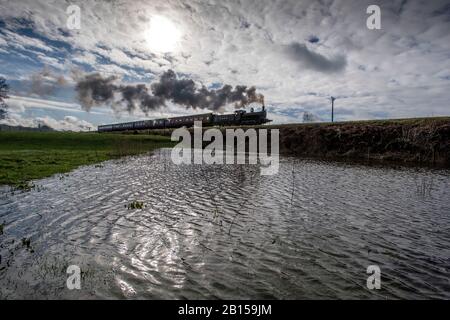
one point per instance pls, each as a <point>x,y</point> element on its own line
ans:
<point>396,71</point>
<point>69,123</point>
<point>16,106</point>
<point>16,101</point>
<point>16,40</point>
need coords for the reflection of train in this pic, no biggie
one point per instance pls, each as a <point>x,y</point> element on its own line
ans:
<point>240,117</point>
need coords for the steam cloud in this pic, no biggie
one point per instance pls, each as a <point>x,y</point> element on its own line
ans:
<point>45,82</point>
<point>94,89</point>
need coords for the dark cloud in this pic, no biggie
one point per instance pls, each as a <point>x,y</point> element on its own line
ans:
<point>94,89</point>
<point>313,39</point>
<point>401,8</point>
<point>315,61</point>
<point>443,10</point>
<point>134,96</point>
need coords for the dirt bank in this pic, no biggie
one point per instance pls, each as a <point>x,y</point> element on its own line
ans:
<point>425,140</point>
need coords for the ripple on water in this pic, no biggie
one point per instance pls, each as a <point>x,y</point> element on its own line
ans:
<point>227,232</point>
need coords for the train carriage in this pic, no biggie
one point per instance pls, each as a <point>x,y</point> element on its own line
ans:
<point>188,121</point>
<point>239,117</point>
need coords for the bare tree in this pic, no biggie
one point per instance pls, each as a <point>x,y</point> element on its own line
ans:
<point>4,88</point>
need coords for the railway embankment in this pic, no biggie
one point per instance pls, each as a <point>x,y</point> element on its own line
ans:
<point>422,140</point>
<point>415,141</point>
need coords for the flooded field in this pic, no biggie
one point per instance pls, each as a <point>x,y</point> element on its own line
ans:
<point>227,232</point>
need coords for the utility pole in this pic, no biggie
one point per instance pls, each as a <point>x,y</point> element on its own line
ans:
<point>332,108</point>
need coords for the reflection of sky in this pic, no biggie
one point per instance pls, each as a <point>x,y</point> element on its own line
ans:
<point>226,232</point>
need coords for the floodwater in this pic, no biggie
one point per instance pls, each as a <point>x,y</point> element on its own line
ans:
<point>225,231</point>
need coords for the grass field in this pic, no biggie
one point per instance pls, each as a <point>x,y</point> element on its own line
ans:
<point>380,122</point>
<point>33,155</point>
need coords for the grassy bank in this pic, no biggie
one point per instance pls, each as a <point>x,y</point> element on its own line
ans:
<point>418,140</point>
<point>414,140</point>
<point>33,155</point>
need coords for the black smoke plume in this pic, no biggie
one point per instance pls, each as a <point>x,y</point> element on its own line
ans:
<point>94,89</point>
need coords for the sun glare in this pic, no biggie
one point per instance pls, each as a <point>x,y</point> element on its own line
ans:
<point>163,35</point>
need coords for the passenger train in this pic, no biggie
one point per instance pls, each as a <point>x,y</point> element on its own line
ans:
<point>239,117</point>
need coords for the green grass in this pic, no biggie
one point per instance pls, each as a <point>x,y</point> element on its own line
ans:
<point>381,122</point>
<point>33,155</point>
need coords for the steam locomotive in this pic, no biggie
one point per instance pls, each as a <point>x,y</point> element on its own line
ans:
<point>239,117</point>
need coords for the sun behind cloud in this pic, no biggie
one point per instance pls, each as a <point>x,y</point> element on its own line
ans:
<point>163,35</point>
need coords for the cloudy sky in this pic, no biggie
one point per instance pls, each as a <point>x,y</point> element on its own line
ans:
<point>297,53</point>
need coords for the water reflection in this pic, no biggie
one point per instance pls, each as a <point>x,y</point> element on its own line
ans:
<point>228,232</point>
